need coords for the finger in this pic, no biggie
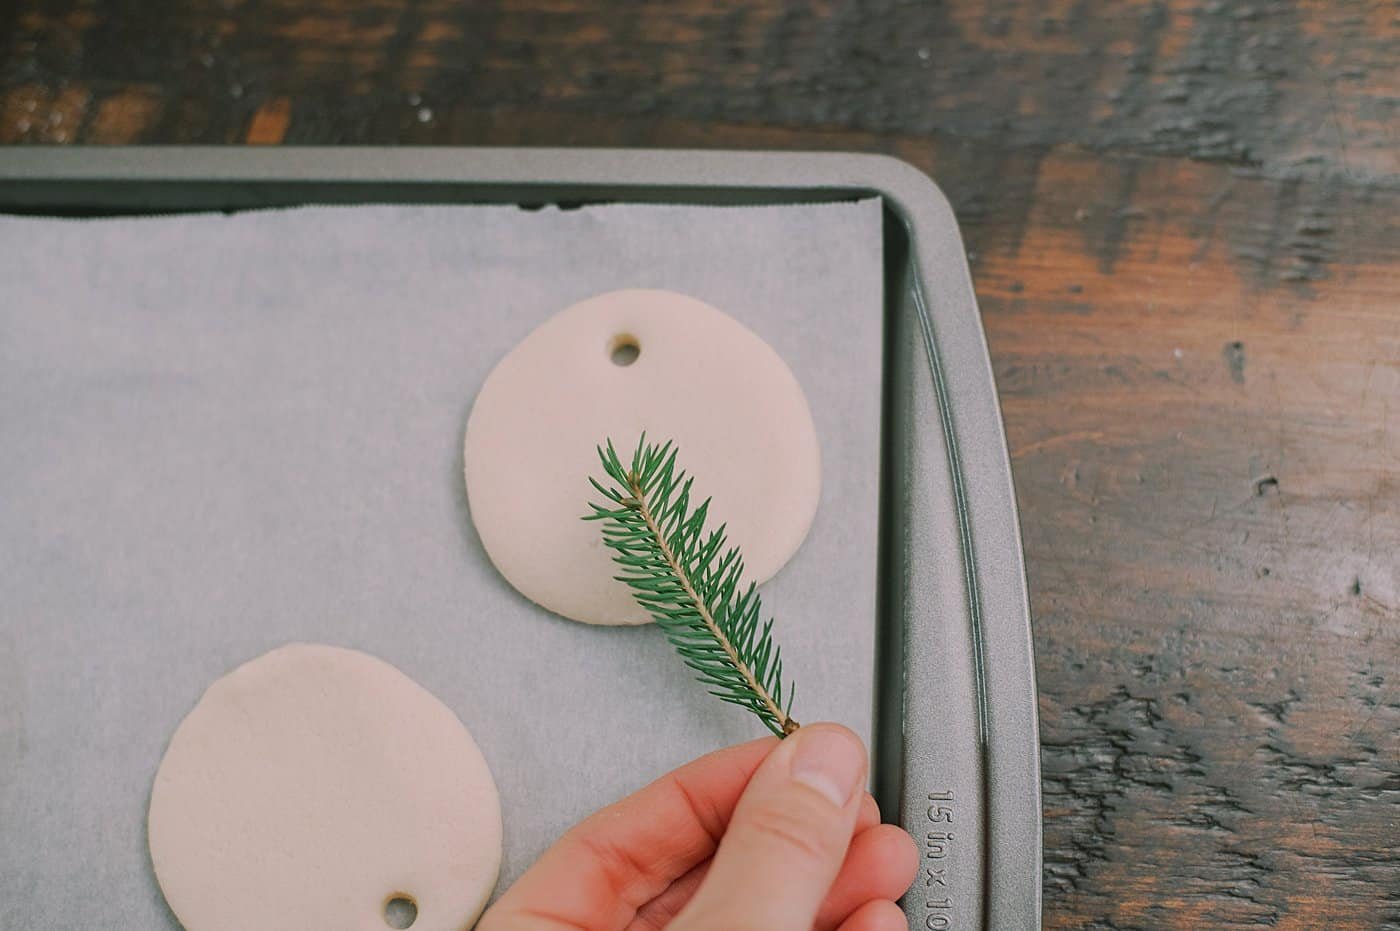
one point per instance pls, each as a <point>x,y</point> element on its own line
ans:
<point>880,915</point>
<point>880,864</point>
<point>787,837</point>
<point>600,872</point>
<point>662,910</point>
<point>869,814</point>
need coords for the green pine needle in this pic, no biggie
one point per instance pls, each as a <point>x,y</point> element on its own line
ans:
<point>690,582</point>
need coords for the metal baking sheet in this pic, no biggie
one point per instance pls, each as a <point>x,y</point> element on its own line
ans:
<point>955,729</point>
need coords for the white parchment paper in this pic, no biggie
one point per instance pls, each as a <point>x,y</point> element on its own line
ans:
<point>219,434</point>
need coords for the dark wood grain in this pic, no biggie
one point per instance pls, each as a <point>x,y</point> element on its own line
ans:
<point>1295,88</point>
<point>1184,225</point>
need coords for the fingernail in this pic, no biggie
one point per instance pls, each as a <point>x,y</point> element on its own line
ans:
<point>830,760</point>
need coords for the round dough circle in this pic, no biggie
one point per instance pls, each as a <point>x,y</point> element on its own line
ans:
<point>309,787</point>
<point>736,413</point>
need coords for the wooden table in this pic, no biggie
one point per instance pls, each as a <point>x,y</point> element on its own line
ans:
<point>1184,223</point>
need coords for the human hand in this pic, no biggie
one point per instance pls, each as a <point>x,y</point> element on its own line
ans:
<point>771,835</point>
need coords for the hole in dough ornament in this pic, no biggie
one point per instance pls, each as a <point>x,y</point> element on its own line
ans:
<point>692,374</point>
<point>312,785</point>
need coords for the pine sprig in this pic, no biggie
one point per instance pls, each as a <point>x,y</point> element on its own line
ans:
<point>690,582</point>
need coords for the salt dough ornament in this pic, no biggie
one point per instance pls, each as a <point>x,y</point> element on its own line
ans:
<point>312,787</point>
<point>614,366</point>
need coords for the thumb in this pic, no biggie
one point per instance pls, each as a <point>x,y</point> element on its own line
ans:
<point>787,837</point>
